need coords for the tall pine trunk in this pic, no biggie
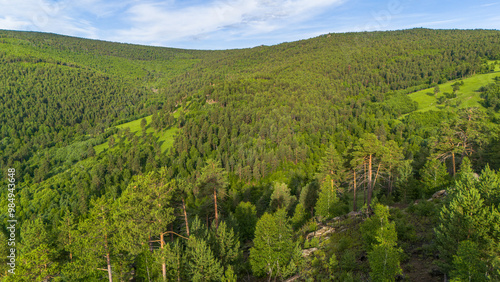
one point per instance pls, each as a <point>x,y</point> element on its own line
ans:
<point>108,261</point>
<point>216,214</point>
<point>106,247</point>
<point>163,265</point>
<point>331,180</point>
<point>364,183</point>
<point>370,184</point>
<point>354,202</point>
<point>185,216</point>
<point>69,235</point>
<point>453,159</point>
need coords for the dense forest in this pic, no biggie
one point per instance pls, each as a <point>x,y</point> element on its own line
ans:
<point>368,156</point>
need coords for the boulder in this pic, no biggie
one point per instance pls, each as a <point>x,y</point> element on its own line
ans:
<point>338,218</point>
<point>354,214</point>
<point>438,195</point>
<point>308,252</point>
<point>323,231</point>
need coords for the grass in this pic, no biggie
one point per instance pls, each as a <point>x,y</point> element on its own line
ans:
<point>467,96</point>
<point>165,137</point>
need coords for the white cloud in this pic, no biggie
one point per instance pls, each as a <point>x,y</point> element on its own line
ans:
<point>151,22</point>
<point>162,22</point>
<point>11,23</point>
<point>488,4</point>
<point>44,15</point>
<point>436,23</point>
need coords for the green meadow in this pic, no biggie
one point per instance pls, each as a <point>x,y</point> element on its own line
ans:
<point>467,96</point>
<point>165,137</point>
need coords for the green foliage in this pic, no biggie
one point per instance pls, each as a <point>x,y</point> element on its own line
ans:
<point>348,261</point>
<point>313,243</point>
<point>229,275</point>
<point>299,217</point>
<point>467,217</point>
<point>225,245</point>
<point>384,256</point>
<point>404,228</point>
<point>489,187</point>
<point>146,264</point>
<point>144,210</point>
<point>327,202</point>
<point>94,243</point>
<point>37,257</point>
<point>332,265</point>
<point>212,184</point>
<point>434,177</point>
<point>468,94</point>
<point>274,252</point>
<point>201,263</point>
<point>491,96</point>
<point>467,263</point>
<point>369,231</point>
<point>227,124</point>
<point>281,197</point>
<point>246,216</point>
<point>423,208</point>
<point>331,169</point>
<point>401,104</point>
<point>436,89</point>
<point>309,196</point>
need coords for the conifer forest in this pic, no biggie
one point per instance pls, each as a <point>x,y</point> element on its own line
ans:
<point>363,156</point>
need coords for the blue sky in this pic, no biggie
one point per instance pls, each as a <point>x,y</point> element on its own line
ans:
<point>225,24</point>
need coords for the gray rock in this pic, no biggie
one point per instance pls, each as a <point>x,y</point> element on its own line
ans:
<point>438,195</point>
<point>308,252</point>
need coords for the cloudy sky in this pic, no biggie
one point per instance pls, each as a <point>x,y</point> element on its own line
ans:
<point>224,24</point>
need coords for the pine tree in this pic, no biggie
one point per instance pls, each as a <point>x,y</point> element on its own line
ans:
<point>384,256</point>
<point>145,210</point>
<point>309,196</point>
<point>184,190</point>
<point>281,196</point>
<point>224,243</point>
<point>213,182</point>
<point>327,201</point>
<point>299,216</point>
<point>67,230</point>
<point>434,177</point>
<point>392,158</point>
<point>274,251</point>
<point>489,187</point>
<point>4,252</point>
<point>367,154</point>
<point>201,262</point>
<point>94,244</point>
<point>331,169</point>
<point>37,259</point>
<point>173,256</point>
<point>465,217</point>
<point>246,215</point>
<point>468,264</point>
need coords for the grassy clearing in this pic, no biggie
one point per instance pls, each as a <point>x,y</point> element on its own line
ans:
<point>467,96</point>
<point>165,137</point>
<point>101,147</point>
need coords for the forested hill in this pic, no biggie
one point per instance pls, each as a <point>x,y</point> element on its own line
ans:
<point>151,163</point>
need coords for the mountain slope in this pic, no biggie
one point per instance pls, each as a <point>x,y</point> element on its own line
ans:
<point>233,137</point>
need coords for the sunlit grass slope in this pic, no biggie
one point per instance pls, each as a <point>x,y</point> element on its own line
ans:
<point>165,137</point>
<point>467,96</point>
